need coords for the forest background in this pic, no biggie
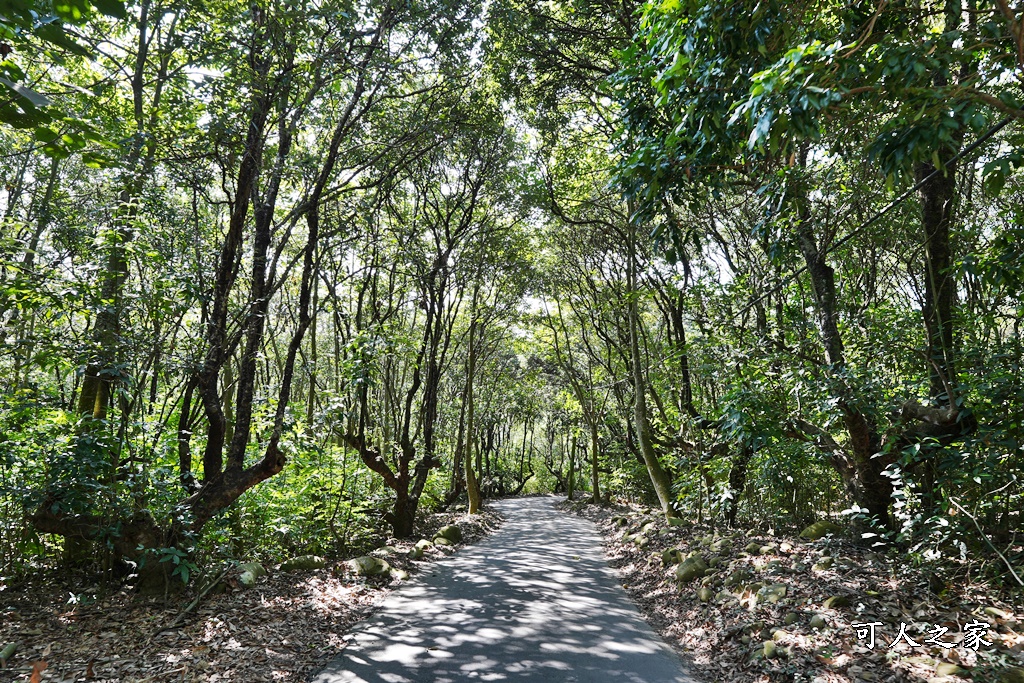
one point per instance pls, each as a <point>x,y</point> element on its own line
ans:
<point>277,276</point>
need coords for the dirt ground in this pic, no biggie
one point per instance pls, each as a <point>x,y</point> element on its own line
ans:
<point>284,628</point>
<point>779,608</point>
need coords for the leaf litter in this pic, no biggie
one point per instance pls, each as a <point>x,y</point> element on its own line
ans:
<point>790,606</point>
<point>284,628</point>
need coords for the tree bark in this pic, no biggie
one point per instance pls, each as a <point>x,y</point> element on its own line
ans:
<point>937,198</point>
<point>472,485</point>
<point>659,477</point>
<point>595,481</point>
<point>860,470</point>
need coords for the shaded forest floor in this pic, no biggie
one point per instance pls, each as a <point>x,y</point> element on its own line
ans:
<point>284,628</point>
<point>776,608</point>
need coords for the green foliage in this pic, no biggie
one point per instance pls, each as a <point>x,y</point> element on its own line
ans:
<point>532,186</point>
<point>41,29</point>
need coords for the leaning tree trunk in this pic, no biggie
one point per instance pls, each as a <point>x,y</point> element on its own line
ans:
<point>659,477</point>
<point>595,481</point>
<point>860,471</point>
<point>472,485</point>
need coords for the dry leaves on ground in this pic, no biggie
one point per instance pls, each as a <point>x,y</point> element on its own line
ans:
<point>790,607</point>
<point>283,629</point>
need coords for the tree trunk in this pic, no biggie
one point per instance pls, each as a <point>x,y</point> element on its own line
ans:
<point>457,483</point>
<point>937,197</point>
<point>738,480</point>
<point>595,482</point>
<point>571,477</point>
<point>659,477</point>
<point>404,515</point>
<point>472,485</point>
<point>860,471</point>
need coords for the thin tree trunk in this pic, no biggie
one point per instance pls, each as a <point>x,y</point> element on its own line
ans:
<point>861,473</point>
<point>472,485</point>
<point>659,477</point>
<point>595,481</point>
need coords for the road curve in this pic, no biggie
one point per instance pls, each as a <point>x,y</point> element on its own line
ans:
<point>535,601</point>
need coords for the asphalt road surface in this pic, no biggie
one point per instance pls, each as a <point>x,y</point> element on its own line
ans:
<point>535,601</point>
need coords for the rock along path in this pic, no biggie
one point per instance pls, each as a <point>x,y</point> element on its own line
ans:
<point>535,601</point>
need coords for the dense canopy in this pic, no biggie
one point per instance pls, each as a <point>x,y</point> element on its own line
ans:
<point>276,276</point>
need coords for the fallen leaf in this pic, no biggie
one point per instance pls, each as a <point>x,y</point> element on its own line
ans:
<point>37,672</point>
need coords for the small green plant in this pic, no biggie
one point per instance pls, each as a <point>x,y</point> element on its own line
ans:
<point>184,568</point>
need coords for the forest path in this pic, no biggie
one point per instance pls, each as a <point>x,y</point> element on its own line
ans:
<point>535,601</point>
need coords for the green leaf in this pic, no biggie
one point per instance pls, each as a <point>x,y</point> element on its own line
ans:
<point>112,8</point>
<point>29,94</point>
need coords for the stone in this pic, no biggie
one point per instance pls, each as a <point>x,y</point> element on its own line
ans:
<point>720,545</point>
<point>754,548</point>
<point>250,572</point>
<point>949,669</point>
<point>824,564</point>
<point>442,542</point>
<point>791,618</point>
<point>818,622</point>
<point>767,549</point>
<point>416,553</point>
<point>785,547</point>
<point>641,541</point>
<point>671,556</point>
<point>707,540</point>
<point>754,627</point>
<point>303,563</point>
<point>920,661</point>
<point>399,574</point>
<point>1014,674</point>
<point>705,594</point>
<point>738,577</point>
<point>837,602</point>
<point>677,521</point>
<point>998,613</point>
<point>714,561</point>
<point>423,544</point>
<point>690,569</point>
<point>771,594</point>
<point>648,528</point>
<point>255,568</point>
<point>369,566</point>
<point>769,649</point>
<point>451,532</point>
<point>820,529</point>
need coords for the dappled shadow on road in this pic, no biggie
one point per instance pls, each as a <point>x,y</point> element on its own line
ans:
<point>536,601</point>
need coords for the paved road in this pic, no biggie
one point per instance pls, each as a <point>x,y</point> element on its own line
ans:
<point>534,601</point>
